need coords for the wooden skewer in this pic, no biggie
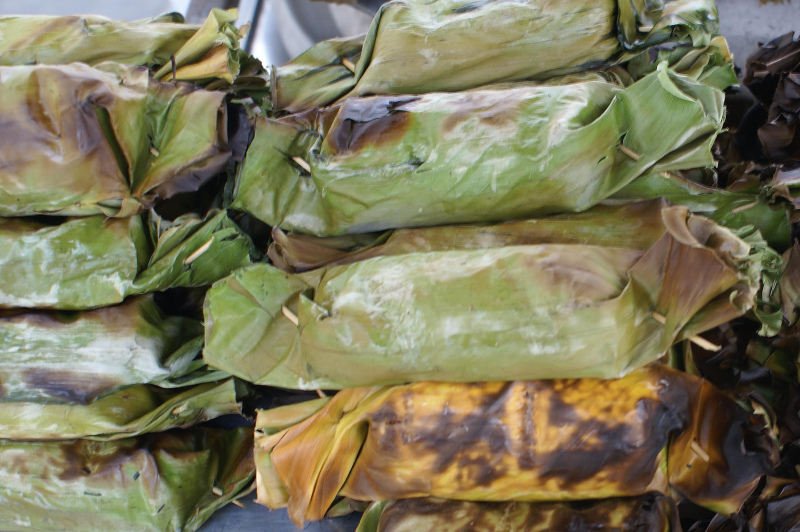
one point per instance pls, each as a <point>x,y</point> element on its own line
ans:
<point>696,339</point>
<point>741,208</point>
<point>216,491</point>
<point>348,65</point>
<point>321,393</point>
<point>302,163</point>
<point>629,152</point>
<point>154,151</point>
<point>240,504</point>
<point>290,315</point>
<point>180,409</point>
<point>202,249</point>
<point>699,451</point>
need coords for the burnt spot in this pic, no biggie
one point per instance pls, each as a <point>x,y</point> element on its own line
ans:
<point>67,386</point>
<point>369,121</point>
<point>85,458</point>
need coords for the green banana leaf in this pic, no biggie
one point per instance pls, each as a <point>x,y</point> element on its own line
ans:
<point>635,225</point>
<point>199,52</point>
<point>321,74</point>
<point>129,411</point>
<point>546,311</point>
<point>109,140</point>
<point>733,209</point>
<point>481,43</point>
<point>77,356</point>
<point>159,482</point>
<point>655,429</point>
<point>790,285</point>
<point>94,262</point>
<point>485,155</point>
<point>652,512</point>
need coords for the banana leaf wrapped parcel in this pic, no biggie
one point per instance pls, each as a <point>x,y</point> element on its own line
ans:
<point>545,311</point>
<point>162,482</point>
<point>415,46</point>
<point>208,51</point>
<point>652,512</point>
<point>93,262</point>
<point>108,140</point>
<point>78,356</point>
<point>655,429</point>
<point>376,163</point>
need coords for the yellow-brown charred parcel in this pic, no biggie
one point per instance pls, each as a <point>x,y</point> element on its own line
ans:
<point>652,512</point>
<point>654,430</point>
<point>454,302</point>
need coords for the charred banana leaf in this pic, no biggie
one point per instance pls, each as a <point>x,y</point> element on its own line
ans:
<point>487,155</point>
<point>652,512</point>
<point>124,412</point>
<point>94,262</point>
<point>162,482</point>
<point>78,356</point>
<point>199,52</point>
<point>546,311</point>
<point>653,430</point>
<point>109,140</point>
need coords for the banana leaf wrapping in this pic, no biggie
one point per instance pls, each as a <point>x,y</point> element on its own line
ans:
<point>199,52</point>
<point>653,430</point>
<point>93,262</point>
<point>159,482</point>
<point>109,140</point>
<point>485,155</point>
<point>733,209</point>
<point>321,74</point>
<point>77,356</point>
<point>414,47</point>
<point>652,512</point>
<point>122,412</point>
<point>546,311</point>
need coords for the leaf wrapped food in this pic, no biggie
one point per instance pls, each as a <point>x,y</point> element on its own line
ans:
<point>123,412</point>
<point>414,46</point>
<point>546,311</point>
<point>652,512</point>
<point>77,356</point>
<point>485,155</point>
<point>199,52</point>
<point>94,262</point>
<point>653,430</point>
<point>159,482</point>
<point>109,140</point>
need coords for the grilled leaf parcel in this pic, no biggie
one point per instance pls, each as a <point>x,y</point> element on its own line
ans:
<point>106,374</point>
<point>547,311</point>
<point>209,51</point>
<point>652,512</point>
<point>162,482</point>
<point>653,430</point>
<point>93,262</point>
<point>107,140</point>
<point>376,163</point>
<point>414,47</point>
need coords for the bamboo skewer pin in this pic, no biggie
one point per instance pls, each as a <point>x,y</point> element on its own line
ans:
<point>202,249</point>
<point>629,152</point>
<point>302,163</point>
<point>290,315</point>
<point>348,65</point>
<point>699,451</point>
<point>696,339</point>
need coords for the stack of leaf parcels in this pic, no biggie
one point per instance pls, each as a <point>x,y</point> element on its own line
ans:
<point>525,370</point>
<point>101,379</point>
<point>488,242</point>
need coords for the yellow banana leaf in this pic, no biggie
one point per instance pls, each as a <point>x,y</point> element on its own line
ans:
<point>653,430</point>
<point>545,311</point>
